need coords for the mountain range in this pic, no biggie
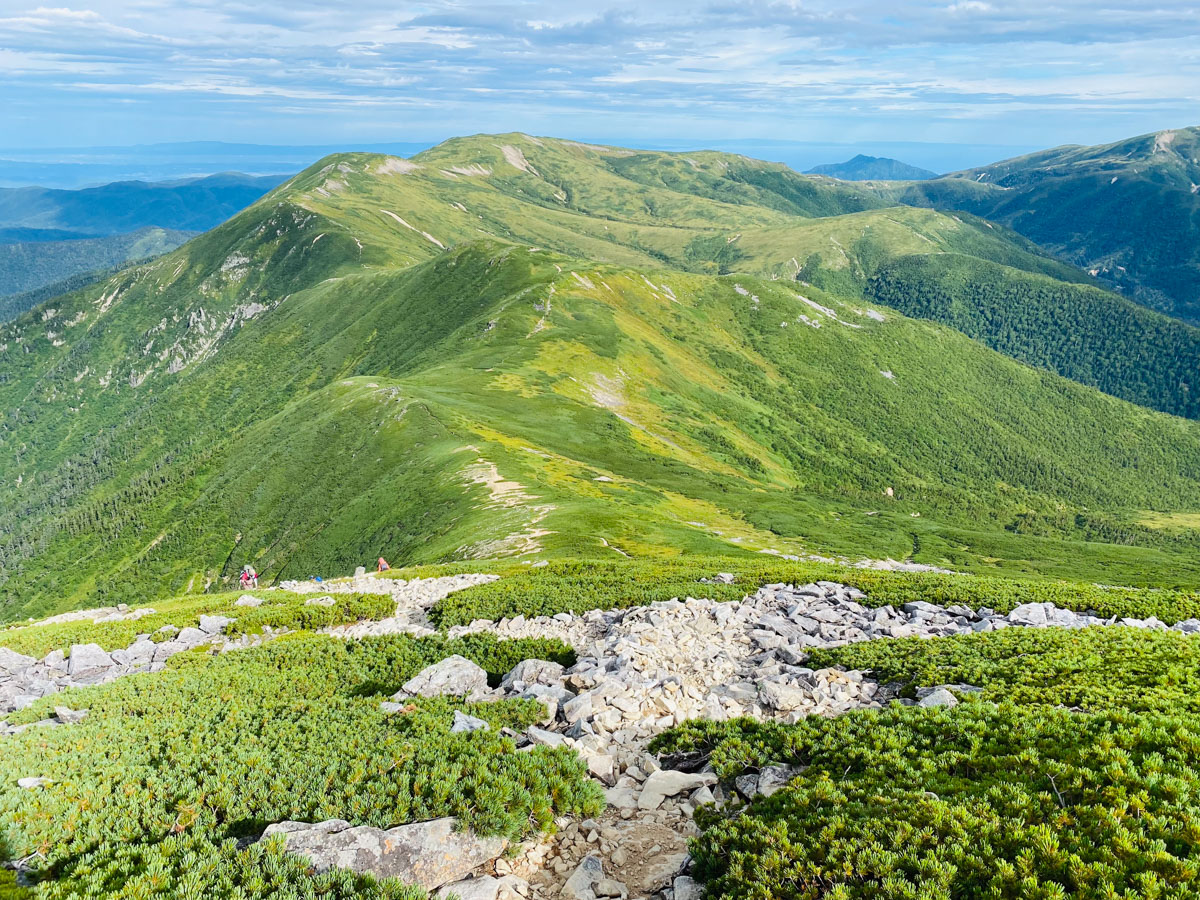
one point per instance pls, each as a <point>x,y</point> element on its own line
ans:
<point>510,345</point>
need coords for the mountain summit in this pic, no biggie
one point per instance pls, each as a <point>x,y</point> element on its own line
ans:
<point>872,168</point>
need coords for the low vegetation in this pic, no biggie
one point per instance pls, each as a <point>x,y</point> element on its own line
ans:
<point>581,585</point>
<point>150,794</point>
<point>982,801</point>
<point>279,610</point>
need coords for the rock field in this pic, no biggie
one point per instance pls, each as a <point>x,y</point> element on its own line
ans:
<point>639,671</point>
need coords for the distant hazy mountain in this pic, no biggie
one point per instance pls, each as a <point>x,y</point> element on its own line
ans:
<point>195,204</point>
<point>1127,212</point>
<point>873,168</point>
<point>48,235</point>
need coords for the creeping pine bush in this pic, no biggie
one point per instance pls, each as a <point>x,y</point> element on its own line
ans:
<point>150,792</point>
<point>982,801</point>
<point>580,585</point>
<point>1109,667</point>
<point>280,609</point>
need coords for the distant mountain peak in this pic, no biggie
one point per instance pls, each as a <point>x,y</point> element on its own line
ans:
<point>872,168</point>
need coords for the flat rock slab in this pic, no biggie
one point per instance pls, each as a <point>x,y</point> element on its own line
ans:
<point>430,854</point>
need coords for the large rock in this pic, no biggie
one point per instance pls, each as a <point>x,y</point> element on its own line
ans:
<point>429,854</point>
<point>248,600</point>
<point>13,663</point>
<point>454,676</point>
<point>214,624</point>
<point>87,658</point>
<point>533,671</point>
<point>667,783</point>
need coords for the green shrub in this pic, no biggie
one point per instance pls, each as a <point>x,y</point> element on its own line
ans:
<point>1092,668</point>
<point>979,801</point>
<point>217,747</point>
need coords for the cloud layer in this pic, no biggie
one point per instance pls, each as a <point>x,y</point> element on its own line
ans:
<point>126,71</point>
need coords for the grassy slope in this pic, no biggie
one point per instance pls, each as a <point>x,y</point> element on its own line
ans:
<point>361,405</point>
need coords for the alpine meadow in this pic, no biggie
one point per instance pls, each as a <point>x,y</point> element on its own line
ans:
<point>536,517</point>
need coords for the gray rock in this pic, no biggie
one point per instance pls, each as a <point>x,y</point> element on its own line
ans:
<point>69,716</point>
<point>453,676</point>
<point>214,624</point>
<point>13,663</point>
<point>1030,614</point>
<point>466,723</point>
<point>429,854</point>
<point>772,778</point>
<point>747,785</point>
<point>481,887</point>
<point>33,783</point>
<point>582,882</point>
<point>610,887</point>
<point>248,600</point>
<point>687,888</point>
<point>940,697</point>
<point>534,671</point>
<point>320,601</point>
<point>545,738</point>
<point>667,783</point>
<point>86,658</point>
<point>782,696</point>
<point>191,637</point>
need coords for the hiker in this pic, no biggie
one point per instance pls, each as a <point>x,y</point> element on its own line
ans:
<point>383,565</point>
<point>253,573</point>
<point>244,579</point>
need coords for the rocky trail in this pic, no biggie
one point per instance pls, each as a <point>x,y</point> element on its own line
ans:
<point>639,671</point>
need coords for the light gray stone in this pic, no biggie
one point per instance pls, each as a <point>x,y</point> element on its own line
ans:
<point>453,676</point>
<point>582,882</point>
<point>467,723</point>
<point>86,658</point>
<point>667,783</point>
<point>481,887</point>
<point>214,624</point>
<point>940,697</point>
<point>248,600</point>
<point>13,663</point>
<point>429,854</point>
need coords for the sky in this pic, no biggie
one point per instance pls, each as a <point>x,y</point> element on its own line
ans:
<point>1031,73</point>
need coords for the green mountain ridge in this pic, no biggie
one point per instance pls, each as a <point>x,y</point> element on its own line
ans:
<point>523,346</point>
<point>1128,212</point>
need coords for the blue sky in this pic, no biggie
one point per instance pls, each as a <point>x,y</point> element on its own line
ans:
<point>1032,72</point>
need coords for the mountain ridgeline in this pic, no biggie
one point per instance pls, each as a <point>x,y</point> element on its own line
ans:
<point>525,346</point>
<point>1128,212</point>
